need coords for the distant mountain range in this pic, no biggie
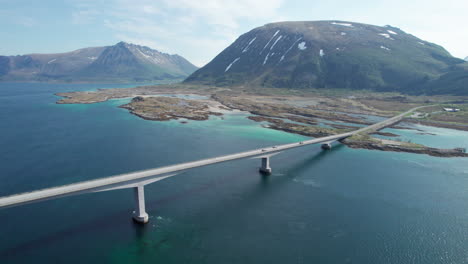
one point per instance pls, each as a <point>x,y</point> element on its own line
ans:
<point>335,54</point>
<point>123,62</point>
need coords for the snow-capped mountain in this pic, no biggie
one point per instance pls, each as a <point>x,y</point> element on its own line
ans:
<point>121,62</point>
<point>326,54</point>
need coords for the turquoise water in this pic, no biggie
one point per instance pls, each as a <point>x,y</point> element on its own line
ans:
<point>431,136</point>
<point>339,206</point>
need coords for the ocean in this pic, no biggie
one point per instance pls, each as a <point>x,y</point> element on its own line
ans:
<point>340,206</point>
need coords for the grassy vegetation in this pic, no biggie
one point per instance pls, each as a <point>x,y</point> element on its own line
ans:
<point>366,138</point>
<point>452,82</point>
<point>363,137</point>
<point>436,113</point>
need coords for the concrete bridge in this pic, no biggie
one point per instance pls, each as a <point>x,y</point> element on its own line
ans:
<point>137,180</point>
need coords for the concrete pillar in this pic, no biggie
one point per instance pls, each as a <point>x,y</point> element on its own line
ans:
<point>140,214</point>
<point>326,146</point>
<point>265,166</point>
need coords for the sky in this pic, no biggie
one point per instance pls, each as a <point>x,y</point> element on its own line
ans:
<point>199,29</point>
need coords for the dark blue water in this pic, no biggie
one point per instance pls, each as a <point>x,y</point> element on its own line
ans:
<point>340,206</point>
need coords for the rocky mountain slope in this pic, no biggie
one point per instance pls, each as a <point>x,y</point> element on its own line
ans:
<point>122,62</point>
<point>329,54</point>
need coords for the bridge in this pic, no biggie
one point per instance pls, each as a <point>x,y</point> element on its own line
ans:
<point>137,180</point>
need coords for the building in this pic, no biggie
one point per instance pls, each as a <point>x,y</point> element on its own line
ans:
<point>451,109</point>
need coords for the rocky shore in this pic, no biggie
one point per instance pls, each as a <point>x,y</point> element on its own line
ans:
<point>310,131</point>
<point>386,134</point>
<point>290,113</point>
<point>102,95</point>
<point>397,146</point>
<point>168,108</point>
<point>271,107</point>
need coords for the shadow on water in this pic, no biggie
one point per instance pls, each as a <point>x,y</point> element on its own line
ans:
<point>301,166</point>
<point>99,225</point>
<point>140,229</point>
<point>270,184</point>
<point>304,164</point>
<point>102,224</point>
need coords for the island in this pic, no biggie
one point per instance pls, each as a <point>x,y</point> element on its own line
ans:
<point>167,108</point>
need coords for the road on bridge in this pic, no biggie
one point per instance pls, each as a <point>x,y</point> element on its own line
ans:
<point>138,179</point>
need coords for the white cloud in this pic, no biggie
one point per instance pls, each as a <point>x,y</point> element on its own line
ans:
<point>196,30</point>
<point>85,16</point>
<point>199,30</point>
<point>227,13</point>
<point>22,20</point>
<point>151,9</point>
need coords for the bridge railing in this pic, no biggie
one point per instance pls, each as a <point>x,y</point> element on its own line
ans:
<point>137,180</point>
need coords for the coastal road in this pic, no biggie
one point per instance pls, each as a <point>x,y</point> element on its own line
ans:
<point>141,178</point>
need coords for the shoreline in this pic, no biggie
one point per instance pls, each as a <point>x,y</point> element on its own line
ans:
<point>396,146</point>
<point>438,124</point>
<point>290,114</point>
<point>170,108</point>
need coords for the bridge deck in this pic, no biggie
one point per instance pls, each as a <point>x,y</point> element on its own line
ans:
<point>122,180</point>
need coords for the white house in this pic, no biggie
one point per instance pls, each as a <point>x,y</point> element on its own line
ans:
<point>451,109</point>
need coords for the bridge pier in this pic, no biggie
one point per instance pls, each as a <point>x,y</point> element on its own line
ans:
<point>140,215</point>
<point>265,165</point>
<point>326,146</point>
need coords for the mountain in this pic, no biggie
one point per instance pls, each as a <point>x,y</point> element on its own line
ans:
<point>454,81</point>
<point>466,58</point>
<point>328,54</point>
<point>122,62</point>
<point>46,66</point>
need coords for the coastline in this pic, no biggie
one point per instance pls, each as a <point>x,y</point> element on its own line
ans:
<point>372,143</point>
<point>167,108</point>
<point>293,114</point>
<point>438,124</point>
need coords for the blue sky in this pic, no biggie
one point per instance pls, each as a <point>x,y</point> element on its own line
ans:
<point>199,30</point>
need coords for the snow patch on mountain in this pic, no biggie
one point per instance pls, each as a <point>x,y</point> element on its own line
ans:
<point>321,53</point>
<point>284,54</point>
<point>386,36</point>
<point>392,32</point>
<point>248,45</point>
<point>49,62</point>
<point>278,39</point>
<point>144,55</point>
<point>274,35</point>
<point>302,45</point>
<point>266,58</point>
<point>232,63</point>
<point>342,24</point>
<point>385,48</point>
